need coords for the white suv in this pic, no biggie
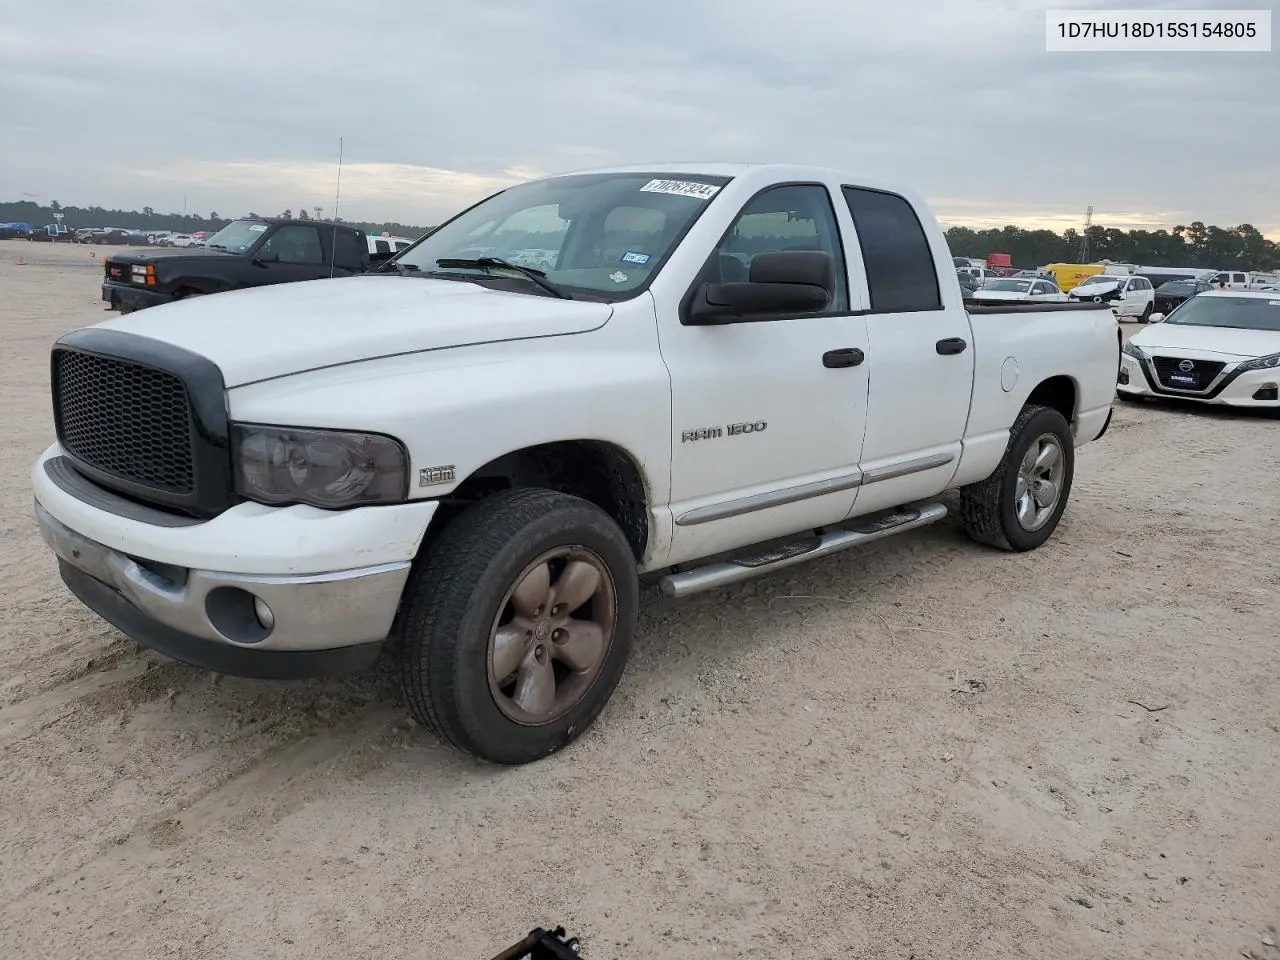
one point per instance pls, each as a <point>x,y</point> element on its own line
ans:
<point>1130,297</point>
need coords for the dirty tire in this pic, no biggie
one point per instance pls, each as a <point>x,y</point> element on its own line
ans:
<point>458,590</point>
<point>1146,313</point>
<point>987,508</point>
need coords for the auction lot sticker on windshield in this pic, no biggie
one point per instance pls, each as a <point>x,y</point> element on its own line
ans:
<point>257,227</point>
<point>681,188</point>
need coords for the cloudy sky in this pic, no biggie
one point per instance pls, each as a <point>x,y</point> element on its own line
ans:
<point>237,105</point>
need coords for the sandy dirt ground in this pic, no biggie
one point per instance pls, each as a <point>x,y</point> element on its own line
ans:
<point>925,749</point>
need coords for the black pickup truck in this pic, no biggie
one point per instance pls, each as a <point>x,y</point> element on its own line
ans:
<point>244,253</point>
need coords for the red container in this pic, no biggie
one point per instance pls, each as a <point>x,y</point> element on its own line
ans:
<point>999,260</point>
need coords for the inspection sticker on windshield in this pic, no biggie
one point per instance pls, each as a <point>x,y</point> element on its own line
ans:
<point>257,227</point>
<point>681,188</point>
<point>618,277</point>
<point>640,259</point>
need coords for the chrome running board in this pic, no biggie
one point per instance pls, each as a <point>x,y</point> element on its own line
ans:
<point>753,562</point>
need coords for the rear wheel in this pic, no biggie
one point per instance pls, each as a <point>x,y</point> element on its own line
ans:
<point>517,624</point>
<point>1019,506</point>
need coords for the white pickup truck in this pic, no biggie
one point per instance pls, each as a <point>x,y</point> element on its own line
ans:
<point>718,370</point>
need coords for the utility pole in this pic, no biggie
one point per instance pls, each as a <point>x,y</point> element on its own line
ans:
<point>1084,236</point>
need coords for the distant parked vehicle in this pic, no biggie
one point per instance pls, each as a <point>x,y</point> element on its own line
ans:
<point>112,236</point>
<point>15,231</point>
<point>1130,297</point>
<point>1244,279</point>
<point>181,240</point>
<point>52,233</point>
<point>1020,290</point>
<point>1174,293</point>
<point>1070,275</point>
<point>245,253</point>
<point>980,275</point>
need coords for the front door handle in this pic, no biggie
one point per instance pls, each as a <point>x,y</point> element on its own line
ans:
<point>845,357</point>
<point>951,345</point>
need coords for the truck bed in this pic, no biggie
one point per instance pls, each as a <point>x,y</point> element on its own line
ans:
<point>980,307</point>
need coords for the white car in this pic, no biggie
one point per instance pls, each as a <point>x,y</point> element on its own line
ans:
<point>1220,347</point>
<point>1131,298</point>
<point>181,240</point>
<point>728,369</point>
<point>1019,290</point>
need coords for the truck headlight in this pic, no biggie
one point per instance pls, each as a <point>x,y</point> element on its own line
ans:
<point>1261,363</point>
<point>323,468</point>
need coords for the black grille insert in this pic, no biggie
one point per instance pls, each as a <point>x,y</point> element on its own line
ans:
<point>1177,373</point>
<point>126,419</point>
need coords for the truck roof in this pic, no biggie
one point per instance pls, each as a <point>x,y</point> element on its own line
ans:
<point>309,223</point>
<point>758,172</point>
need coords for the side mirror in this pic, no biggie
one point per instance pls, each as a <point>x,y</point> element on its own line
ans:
<point>785,283</point>
<point>266,257</point>
<point>1155,318</point>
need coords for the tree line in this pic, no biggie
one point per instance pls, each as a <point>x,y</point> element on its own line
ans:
<point>38,215</point>
<point>1193,245</point>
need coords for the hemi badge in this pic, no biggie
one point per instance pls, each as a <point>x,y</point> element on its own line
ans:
<point>430,476</point>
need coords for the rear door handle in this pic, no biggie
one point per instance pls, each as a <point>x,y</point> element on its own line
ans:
<point>845,357</point>
<point>951,345</point>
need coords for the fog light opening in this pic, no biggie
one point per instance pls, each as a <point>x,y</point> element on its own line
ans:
<point>1124,377</point>
<point>238,615</point>
<point>1268,391</point>
<point>263,613</point>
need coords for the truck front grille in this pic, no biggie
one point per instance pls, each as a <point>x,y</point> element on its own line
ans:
<point>125,419</point>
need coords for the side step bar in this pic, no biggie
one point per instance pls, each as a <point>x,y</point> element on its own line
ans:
<point>753,564</point>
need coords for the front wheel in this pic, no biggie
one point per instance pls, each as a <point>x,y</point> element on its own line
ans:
<point>517,624</point>
<point>1146,313</point>
<point>1018,507</point>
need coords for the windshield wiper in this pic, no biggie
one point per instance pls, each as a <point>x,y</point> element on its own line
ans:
<point>215,246</point>
<point>486,263</point>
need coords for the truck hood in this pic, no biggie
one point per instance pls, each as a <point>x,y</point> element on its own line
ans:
<point>168,256</point>
<point>268,332</point>
<point>1226,341</point>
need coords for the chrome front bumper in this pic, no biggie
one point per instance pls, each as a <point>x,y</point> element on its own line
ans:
<point>312,624</point>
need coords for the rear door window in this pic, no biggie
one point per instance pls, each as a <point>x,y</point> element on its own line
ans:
<point>901,277</point>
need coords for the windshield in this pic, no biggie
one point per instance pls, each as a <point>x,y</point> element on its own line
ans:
<point>1100,278</point>
<point>1178,287</point>
<point>600,234</point>
<point>1244,313</point>
<point>1017,286</point>
<point>236,237</point>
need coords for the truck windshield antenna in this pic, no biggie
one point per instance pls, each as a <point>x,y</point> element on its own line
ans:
<point>333,244</point>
